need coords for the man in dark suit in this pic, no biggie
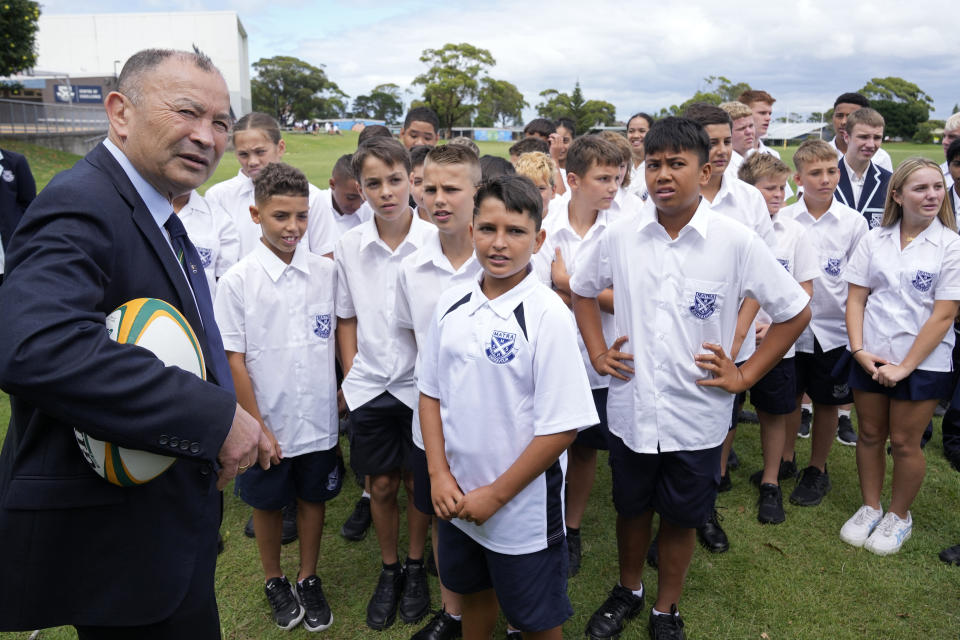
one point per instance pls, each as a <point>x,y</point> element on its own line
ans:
<point>134,562</point>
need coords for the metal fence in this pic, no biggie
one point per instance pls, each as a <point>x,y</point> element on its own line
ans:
<point>21,117</point>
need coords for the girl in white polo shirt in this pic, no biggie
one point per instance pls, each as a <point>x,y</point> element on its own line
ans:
<point>904,290</point>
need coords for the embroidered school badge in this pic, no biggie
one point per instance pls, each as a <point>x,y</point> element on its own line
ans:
<point>8,175</point>
<point>922,281</point>
<point>875,219</point>
<point>502,348</point>
<point>840,390</point>
<point>321,325</point>
<point>206,256</point>
<point>784,263</point>
<point>704,304</point>
<point>833,266</point>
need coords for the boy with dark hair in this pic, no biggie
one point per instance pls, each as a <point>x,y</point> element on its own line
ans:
<point>373,131</point>
<point>843,106</point>
<point>863,184</point>
<point>495,453</point>
<point>420,127</point>
<point>559,144</point>
<point>494,166</point>
<point>528,145</point>
<point>450,179</point>
<point>540,128</point>
<point>834,229</point>
<point>378,363</point>
<point>343,202</point>
<point>289,387</point>
<point>669,409</point>
<point>417,156</point>
<point>593,165</point>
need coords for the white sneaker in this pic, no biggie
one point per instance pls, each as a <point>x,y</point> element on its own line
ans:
<point>890,534</point>
<point>857,529</point>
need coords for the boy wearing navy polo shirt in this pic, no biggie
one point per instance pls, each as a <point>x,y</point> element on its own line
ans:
<point>275,309</point>
<point>669,402</point>
<point>496,452</point>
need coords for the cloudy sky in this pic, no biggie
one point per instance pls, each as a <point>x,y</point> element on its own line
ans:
<point>636,55</point>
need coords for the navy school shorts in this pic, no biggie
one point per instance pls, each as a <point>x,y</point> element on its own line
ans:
<point>776,392</point>
<point>422,498</point>
<point>381,435</point>
<point>919,385</point>
<point>312,477</point>
<point>816,376</point>
<point>596,437</point>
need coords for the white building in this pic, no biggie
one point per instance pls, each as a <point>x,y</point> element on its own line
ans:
<point>99,44</point>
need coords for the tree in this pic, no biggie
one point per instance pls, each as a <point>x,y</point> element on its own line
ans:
<point>818,116</point>
<point>18,24</point>
<point>285,83</point>
<point>586,114</point>
<point>924,134</point>
<point>383,103</point>
<point>718,89</point>
<point>452,82</point>
<point>902,104</point>
<point>500,103</point>
<point>791,117</point>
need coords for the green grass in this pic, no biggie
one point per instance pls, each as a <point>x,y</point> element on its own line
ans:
<point>792,581</point>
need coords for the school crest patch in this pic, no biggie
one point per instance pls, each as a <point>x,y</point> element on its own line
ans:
<point>875,219</point>
<point>833,266</point>
<point>840,390</point>
<point>8,175</point>
<point>704,304</point>
<point>321,325</point>
<point>502,348</point>
<point>784,263</point>
<point>206,256</point>
<point>922,281</point>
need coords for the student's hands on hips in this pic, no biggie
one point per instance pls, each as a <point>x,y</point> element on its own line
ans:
<point>611,362</point>
<point>479,505</point>
<point>446,495</point>
<point>869,363</point>
<point>726,374</point>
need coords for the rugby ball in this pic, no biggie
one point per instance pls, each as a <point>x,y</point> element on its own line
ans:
<point>159,327</point>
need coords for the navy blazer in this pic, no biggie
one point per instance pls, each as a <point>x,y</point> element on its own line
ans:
<point>76,549</point>
<point>873,197</point>
<point>17,191</point>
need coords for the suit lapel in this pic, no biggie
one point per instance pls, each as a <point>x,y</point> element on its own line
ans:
<point>142,217</point>
<point>871,182</point>
<point>844,188</point>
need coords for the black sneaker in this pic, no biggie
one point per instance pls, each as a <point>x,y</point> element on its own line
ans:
<point>668,627</point>
<point>788,471</point>
<point>805,418</point>
<point>289,533</point>
<point>845,433</point>
<point>441,627</point>
<point>725,483</point>
<point>382,608</point>
<point>733,461</point>
<point>574,551</point>
<point>770,505</point>
<point>415,600</point>
<point>607,621</point>
<point>951,555</point>
<point>355,528</point>
<point>712,536</point>
<point>317,615</point>
<point>287,612</point>
<point>750,417</point>
<point>813,485</point>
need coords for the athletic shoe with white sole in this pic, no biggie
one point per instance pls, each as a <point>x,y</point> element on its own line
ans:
<point>890,534</point>
<point>858,528</point>
<point>287,612</point>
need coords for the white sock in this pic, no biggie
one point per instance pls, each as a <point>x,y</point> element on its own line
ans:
<point>366,494</point>
<point>639,593</point>
<point>661,613</point>
<point>457,618</point>
<point>808,407</point>
<point>845,412</point>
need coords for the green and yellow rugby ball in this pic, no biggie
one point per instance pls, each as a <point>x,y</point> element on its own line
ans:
<point>159,327</point>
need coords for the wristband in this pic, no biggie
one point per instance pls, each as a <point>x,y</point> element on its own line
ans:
<point>856,352</point>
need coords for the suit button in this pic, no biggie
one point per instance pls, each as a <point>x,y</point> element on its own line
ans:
<point>206,469</point>
<point>163,440</point>
<point>184,445</point>
<point>174,442</point>
<point>195,447</point>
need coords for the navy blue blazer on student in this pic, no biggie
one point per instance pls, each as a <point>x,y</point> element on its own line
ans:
<point>76,549</point>
<point>873,196</point>
<point>17,191</point>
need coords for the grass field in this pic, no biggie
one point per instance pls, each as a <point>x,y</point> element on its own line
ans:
<point>792,581</point>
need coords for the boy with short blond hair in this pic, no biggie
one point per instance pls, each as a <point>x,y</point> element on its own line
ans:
<point>289,387</point>
<point>541,169</point>
<point>863,184</point>
<point>378,361</point>
<point>834,229</point>
<point>743,131</point>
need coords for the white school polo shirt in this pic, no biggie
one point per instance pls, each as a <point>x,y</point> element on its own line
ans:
<point>903,286</point>
<point>834,237</point>
<point>638,180</point>
<point>505,371</point>
<point>282,318</point>
<point>424,275</point>
<point>367,290</point>
<point>796,253</point>
<point>881,158</point>
<point>561,235</point>
<point>341,223</point>
<point>236,197</point>
<point>671,296</point>
<point>212,231</point>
